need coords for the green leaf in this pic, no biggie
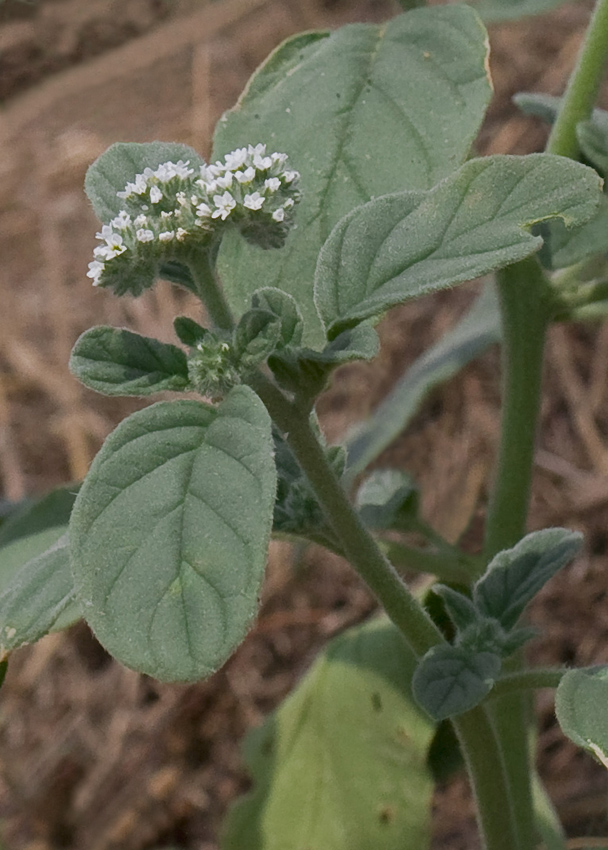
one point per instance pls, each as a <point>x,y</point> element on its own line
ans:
<point>493,11</point>
<point>342,764</point>
<point>176,272</point>
<point>580,706</point>
<point>515,576</point>
<point>118,166</point>
<point>563,247</point>
<point>38,596</point>
<point>452,679</point>
<point>188,331</point>
<point>321,98</point>
<point>462,611</point>
<point>256,336</point>
<point>545,106</point>
<point>285,308</point>
<point>170,530</point>
<point>475,332</point>
<point>115,361</point>
<point>405,245</point>
<point>388,498</point>
<point>592,136</point>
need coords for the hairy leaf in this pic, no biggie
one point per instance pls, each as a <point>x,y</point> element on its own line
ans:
<point>515,576</point>
<point>322,98</point>
<point>342,765</point>
<point>580,706</point>
<point>169,534</point>
<point>453,679</point>
<point>115,361</point>
<point>118,166</point>
<point>475,221</point>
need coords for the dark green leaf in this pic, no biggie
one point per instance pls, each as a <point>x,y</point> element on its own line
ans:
<point>477,330</point>
<point>39,594</point>
<point>462,611</point>
<point>115,361</point>
<point>176,272</point>
<point>563,247</point>
<point>581,705</point>
<point>256,336</point>
<point>322,98</point>
<point>188,331</point>
<point>342,764</point>
<point>592,136</point>
<point>50,513</point>
<point>169,534</point>
<point>119,165</point>
<point>452,679</point>
<point>405,245</point>
<point>543,106</point>
<point>515,576</point>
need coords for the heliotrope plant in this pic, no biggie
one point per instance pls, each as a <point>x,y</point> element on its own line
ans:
<point>166,546</point>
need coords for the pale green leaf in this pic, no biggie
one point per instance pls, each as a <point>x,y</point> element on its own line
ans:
<point>476,331</point>
<point>115,361</point>
<point>119,165</point>
<point>169,534</point>
<point>581,706</point>
<point>361,112</point>
<point>342,763</point>
<point>477,220</point>
<point>514,576</point>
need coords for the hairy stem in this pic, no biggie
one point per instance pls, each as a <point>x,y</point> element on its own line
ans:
<point>209,289</point>
<point>581,92</point>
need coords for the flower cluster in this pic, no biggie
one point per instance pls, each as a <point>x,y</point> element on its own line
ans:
<point>174,208</point>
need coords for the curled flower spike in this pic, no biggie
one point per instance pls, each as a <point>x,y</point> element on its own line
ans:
<point>174,208</point>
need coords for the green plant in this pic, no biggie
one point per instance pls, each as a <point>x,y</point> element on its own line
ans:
<point>167,539</point>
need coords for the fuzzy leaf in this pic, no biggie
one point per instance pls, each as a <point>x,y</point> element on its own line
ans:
<point>462,611</point>
<point>322,98</point>
<point>515,576</point>
<point>387,499</point>
<point>115,361</point>
<point>286,308</point>
<point>452,679</point>
<point>118,166</point>
<point>341,765</point>
<point>477,220</point>
<point>580,706</point>
<point>256,336</point>
<point>169,534</point>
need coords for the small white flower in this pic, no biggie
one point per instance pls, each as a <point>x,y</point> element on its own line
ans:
<point>140,221</point>
<point>204,210</point>
<point>263,163</point>
<point>290,176</point>
<point>144,235</point>
<point>166,215</point>
<point>155,195</point>
<point>225,182</point>
<point>279,215</point>
<point>258,150</point>
<point>288,204</point>
<point>181,234</point>
<point>95,271</point>
<point>245,176</point>
<point>122,220</point>
<point>225,204</point>
<point>254,201</point>
<point>273,184</point>
<point>182,200</point>
<point>235,159</point>
<point>166,236</point>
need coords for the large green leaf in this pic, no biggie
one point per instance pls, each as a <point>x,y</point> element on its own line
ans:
<point>342,764</point>
<point>39,596</point>
<point>404,245</point>
<point>119,165</point>
<point>169,534</point>
<point>580,705</point>
<point>476,331</point>
<point>361,112</point>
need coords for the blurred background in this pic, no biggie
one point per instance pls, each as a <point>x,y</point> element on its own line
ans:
<point>96,757</point>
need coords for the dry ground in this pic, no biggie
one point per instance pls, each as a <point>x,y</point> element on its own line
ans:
<point>93,756</point>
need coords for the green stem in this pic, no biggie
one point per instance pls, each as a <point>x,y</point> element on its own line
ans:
<point>444,567</point>
<point>209,288</point>
<point>581,93</point>
<point>478,740</point>
<point>550,828</point>
<point>521,680</point>
<point>484,759</point>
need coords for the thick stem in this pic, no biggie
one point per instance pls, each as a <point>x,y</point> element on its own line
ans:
<point>525,310</point>
<point>581,92</point>
<point>209,289</point>
<point>525,680</point>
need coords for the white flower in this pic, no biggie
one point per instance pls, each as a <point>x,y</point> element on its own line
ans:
<point>122,220</point>
<point>155,195</point>
<point>95,271</point>
<point>279,215</point>
<point>290,176</point>
<point>181,234</point>
<point>273,184</point>
<point>262,162</point>
<point>144,235</point>
<point>114,243</point>
<point>237,158</point>
<point>288,203</point>
<point>204,210</point>
<point>225,182</point>
<point>245,176</point>
<point>141,221</point>
<point>167,170</point>
<point>258,150</point>
<point>254,201</point>
<point>166,215</point>
<point>225,204</point>
<point>166,236</point>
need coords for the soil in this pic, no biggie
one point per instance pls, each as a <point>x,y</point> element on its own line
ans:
<point>94,756</point>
